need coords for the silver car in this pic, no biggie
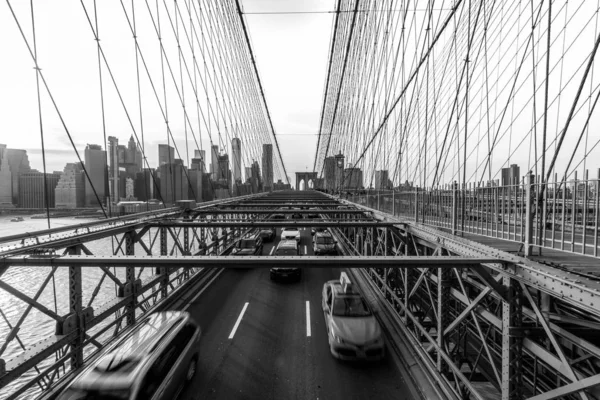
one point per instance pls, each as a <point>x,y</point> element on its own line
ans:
<point>153,361</point>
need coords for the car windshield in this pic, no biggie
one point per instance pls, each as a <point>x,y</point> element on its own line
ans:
<point>105,394</point>
<point>289,229</point>
<point>350,306</point>
<point>247,243</point>
<point>287,252</point>
<point>324,240</point>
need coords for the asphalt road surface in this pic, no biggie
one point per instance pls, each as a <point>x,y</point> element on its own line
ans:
<point>270,353</point>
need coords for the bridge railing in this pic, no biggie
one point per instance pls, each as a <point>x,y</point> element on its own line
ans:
<point>563,215</point>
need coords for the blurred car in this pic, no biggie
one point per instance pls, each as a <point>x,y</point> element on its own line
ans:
<point>286,248</point>
<point>153,361</point>
<point>297,216</point>
<point>323,243</point>
<point>267,235</point>
<point>248,246</point>
<point>278,216</point>
<point>313,214</point>
<point>352,329</point>
<point>316,229</point>
<point>290,234</point>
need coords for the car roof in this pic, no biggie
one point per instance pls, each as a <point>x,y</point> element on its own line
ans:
<point>324,233</point>
<point>287,243</point>
<point>336,286</point>
<point>118,366</point>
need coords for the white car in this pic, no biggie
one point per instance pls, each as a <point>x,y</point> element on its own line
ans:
<point>352,329</point>
<point>290,234</point>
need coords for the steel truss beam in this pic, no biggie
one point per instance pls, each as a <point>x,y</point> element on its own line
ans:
<point>249,261</point>
<point>217,223</point>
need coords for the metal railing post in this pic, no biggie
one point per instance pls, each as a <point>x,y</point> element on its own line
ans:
<point>73,321</point>
<point>416,204</point>
<point>512,340</point>
<point>393,202</point>
<point>528,240</point>
<point>130,284</point>
<point>454,208</point>
<point>378,201</point>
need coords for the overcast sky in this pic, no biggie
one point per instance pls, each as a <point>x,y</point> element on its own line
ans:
<point>291,52</point>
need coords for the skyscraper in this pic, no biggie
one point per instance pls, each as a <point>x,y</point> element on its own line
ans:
<point>511,175</point>
<point>236,151</point>
<point>113,172</point>
<point>381,179</point>
<point>214,162</point>
<point>329,172</point>
<point>32,189</point>
<point>19,164</point>
<point>166,154</point>
<point>70,190</point>
<point>95,165</point>
<point>267,167</point>
<point>5,178</point>
<point>353,178</point>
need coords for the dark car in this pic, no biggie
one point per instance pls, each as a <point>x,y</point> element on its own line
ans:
<point>323,243</point>
<point>297,216</point>
<point>277,216</point>
<point>286,248</point>
<point>316,229</point>
<point>267,235</point>
<point>249,246</point>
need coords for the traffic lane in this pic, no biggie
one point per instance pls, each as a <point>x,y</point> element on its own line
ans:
<point>216,311</point>
<point>337,379</point>
<point>253,364</point>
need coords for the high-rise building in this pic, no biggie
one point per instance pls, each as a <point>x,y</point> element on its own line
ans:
<point>19,164</point>
<point>329,173</point>
<point>353,178</point>
<point>248,173</point>
<point>95,165</point>
<point>144,186</point>
<point>32,189</point>
<point>70,190</point>
<point>381,179</point>
<point>339,171</point>
<point>214,162</point>
<point>201,156</point>
<point>511,175</point>
<point>166,154</point>
<point>267,167</point>
<point>5,178</point>
<point>255,179</point>
<point>174,183</point>
<point>236,152</point>
<point>113,172</point>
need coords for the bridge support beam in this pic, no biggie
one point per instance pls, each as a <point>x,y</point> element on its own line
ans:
<point>512,341</point>
<point>528,239</point>
<point>443,294</point>
<point>75,308</point>
<point>130,283</point>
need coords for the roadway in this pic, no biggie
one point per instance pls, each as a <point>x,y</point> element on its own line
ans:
<point>271,355</point>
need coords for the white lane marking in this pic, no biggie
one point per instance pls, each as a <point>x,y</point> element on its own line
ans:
<point>305,250</point>
<point>202,291</point>
<point>237,323</point>
<point>307,318</point>
<point>272,250</point>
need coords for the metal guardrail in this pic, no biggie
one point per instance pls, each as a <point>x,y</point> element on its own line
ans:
<point>563,215</point>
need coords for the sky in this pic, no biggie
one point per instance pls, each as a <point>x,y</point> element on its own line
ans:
<point>291,52</point>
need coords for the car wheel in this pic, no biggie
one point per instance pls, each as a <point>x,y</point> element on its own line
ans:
<point>191,370</point>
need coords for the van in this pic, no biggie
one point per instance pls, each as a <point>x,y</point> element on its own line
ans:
<point>154,361</point>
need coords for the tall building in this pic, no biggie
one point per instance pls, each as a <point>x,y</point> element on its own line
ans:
<point>144,186</point>
<point>267,167</point>
<point>32,189</point>
<point>248,173</point>
<point>255,180</point>
<point>329,173</point>
<point>95,165</point>
<point>381,179</point>
<point>339,171</point>
<point>19,164</point>
<point>214,162</point>
<point>173,182</point>
<point>113,172</point>
<point>236,152</point>
<point>5,178</point>
<point>166,154</point>
<point>201,155</point>
<point>70,190</point>
<point>353,178</point>
<point>511,175</point>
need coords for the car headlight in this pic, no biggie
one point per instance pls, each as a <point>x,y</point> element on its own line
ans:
<point>337,338</point>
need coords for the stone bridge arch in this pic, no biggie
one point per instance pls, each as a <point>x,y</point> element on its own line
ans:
<point>306,176</point>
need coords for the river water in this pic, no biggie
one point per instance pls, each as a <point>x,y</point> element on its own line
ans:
<point>55,296</point>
